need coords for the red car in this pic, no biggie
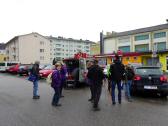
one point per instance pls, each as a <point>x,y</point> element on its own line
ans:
<point>13,69</point>
<point>46,71</point>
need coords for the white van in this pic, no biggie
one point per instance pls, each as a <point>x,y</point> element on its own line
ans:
<point>5,65</point>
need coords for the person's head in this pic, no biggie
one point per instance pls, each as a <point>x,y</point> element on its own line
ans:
<point>90,63</point>
<point>37,62</point>
<point>95,62</point>
<point>58,66</point>
<point>60,62</point>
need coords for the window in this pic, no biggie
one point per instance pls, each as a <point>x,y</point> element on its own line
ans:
<point>87,47</point>
<point>135,58</point>
<point>161,46</point>
<point>141,37</point>
<point>41,43</point>
<point>125,48</point>
<point>58,45</point>
<point>58,53</point>
<point>58,49</point>
<point>41,57</point>
<point>160,35</point>
<point>41,50</point>
<point>127,59</point>
<point>142,48</point>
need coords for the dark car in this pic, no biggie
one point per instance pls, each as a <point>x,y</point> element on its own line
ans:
<point>150,79</point>
<point>24,69</point>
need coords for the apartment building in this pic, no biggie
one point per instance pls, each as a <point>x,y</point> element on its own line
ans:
<point>139,40</point>
<point>28,48</point>
<point>61,48</point>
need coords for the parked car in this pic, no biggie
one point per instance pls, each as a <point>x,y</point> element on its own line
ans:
<point>150,79</point>
<point>13,69</point>
<point>5,65</point>
<point>24,69</point>
<point>46,71</point>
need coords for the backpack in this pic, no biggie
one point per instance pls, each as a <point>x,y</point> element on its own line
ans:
<point>49,79</point>
<point>130,74</point>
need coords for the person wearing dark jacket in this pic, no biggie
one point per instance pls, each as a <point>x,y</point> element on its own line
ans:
<point>89,82</point>
<point>129,76</point>
<point>56,84</point>
<point>35,71</point>
<point>117,72</point>
<point>96,75</point>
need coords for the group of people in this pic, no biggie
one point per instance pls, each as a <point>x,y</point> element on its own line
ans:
<point>58,78</point>
<point>117,74</point>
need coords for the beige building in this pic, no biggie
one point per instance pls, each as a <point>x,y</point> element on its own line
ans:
<point>139,40</point>
<point>28,48</point>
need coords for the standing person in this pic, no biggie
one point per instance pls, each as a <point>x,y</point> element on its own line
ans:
<point>89,66</point>
<point>63,76</point>
<point>96,75</point>
<point>56,84</point>
<point>117,72</point>
<point>129,73</point>
<point>35,71</point>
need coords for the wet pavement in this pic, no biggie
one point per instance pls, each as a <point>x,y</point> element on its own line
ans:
<point>17,108</point>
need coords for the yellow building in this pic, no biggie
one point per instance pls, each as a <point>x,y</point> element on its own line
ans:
<point>95,49</point>
<point>2,57</point>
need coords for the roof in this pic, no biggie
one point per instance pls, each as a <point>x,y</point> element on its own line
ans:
<point>25,35</point>
<point>2,46</point>
<point>137,31</point>
<point>68,39</point>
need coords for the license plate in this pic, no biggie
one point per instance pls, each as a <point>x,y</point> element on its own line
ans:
<point>150,87</point>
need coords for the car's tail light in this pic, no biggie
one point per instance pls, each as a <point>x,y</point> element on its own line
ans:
<point>163,78</point>
<point>69,77</point>
<point>137,78</point>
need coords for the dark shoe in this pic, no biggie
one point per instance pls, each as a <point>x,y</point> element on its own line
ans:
<point>36,97</point>
<point>129,100</point>
<point>96,109</point>
<point>58,105</point>
<point>61,96</point>
<point>119,102</point>
<point>90,99</point>
<point>114,103</point>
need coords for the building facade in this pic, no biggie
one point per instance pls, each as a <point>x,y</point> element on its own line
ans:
<point>150,42</point>
<point>27,49</point>
<point>95,49</point>
<point>2,52</point>
<point>61,48</point>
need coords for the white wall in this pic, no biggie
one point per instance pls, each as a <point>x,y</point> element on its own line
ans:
<point>109,45</point>
<point>29,49</point>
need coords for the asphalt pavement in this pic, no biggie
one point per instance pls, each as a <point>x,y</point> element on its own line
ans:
<point>17,108</point>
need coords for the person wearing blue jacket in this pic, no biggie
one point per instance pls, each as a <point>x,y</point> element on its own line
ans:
<point>56,84</point>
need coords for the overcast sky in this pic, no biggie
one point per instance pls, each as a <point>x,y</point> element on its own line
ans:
<point>78,18</point>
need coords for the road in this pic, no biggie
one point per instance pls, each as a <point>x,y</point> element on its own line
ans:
<point>17,108</point>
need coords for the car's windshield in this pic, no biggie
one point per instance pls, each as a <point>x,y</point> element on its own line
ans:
<point>48,67</point>
<point>149,71</point>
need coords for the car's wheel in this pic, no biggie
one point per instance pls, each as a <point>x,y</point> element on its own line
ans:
<point>163,95</point>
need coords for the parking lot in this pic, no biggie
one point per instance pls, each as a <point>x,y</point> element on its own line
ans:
<point>17,108</point>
